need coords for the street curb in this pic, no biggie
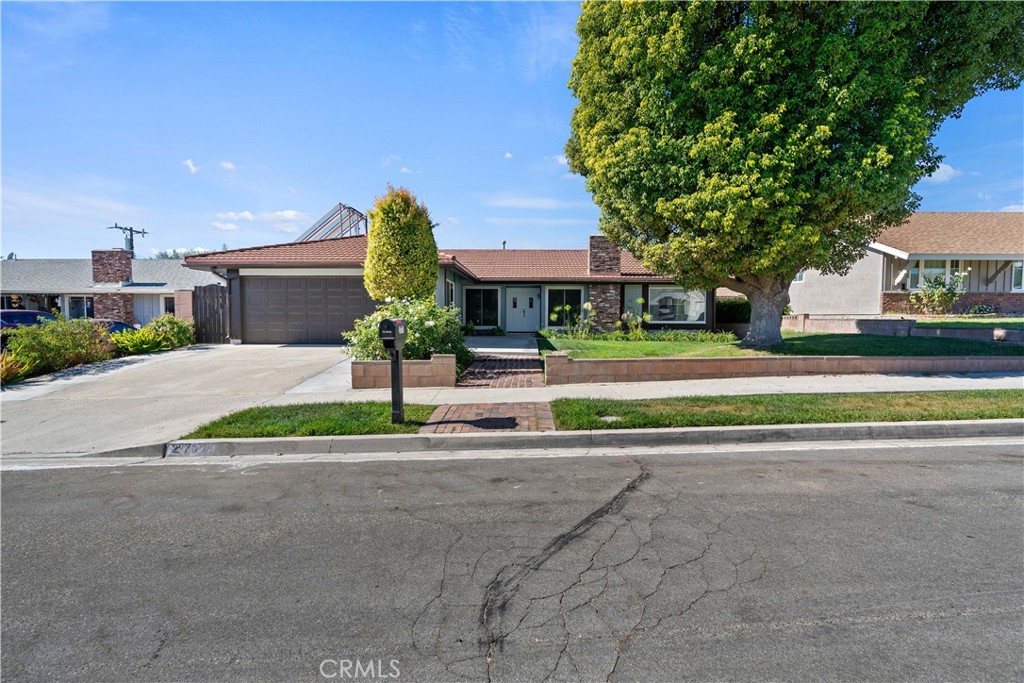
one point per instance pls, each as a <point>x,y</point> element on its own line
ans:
<point>686,436</point>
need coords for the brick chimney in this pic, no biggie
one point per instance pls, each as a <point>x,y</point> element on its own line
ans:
<point>111,266</point>
<point>605,257</point>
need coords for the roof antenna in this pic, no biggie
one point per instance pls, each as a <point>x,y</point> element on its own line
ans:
<point>503,245</point>
<point>129,236</point>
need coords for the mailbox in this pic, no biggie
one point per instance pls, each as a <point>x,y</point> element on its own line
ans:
<point>392,333</point>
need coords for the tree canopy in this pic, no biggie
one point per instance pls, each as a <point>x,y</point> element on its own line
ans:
<point>735,144</point>
<point>401,258</point>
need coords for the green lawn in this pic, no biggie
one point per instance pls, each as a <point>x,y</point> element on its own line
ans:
<point>314,419</point>
<point>981,323</point>
<point>714,411</point>
<point>796,344</point>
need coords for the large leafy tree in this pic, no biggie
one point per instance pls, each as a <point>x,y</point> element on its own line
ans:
<point>401,258</point>
<point>734,144</point>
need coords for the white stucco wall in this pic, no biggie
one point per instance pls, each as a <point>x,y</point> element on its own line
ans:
<point>856,293</point>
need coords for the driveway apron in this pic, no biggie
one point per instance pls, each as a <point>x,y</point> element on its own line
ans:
<point>158,399</point>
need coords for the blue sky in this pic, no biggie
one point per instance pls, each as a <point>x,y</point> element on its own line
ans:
<point>240,124</point>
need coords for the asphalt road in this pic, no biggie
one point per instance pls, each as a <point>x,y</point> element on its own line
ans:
<point>887,563</point>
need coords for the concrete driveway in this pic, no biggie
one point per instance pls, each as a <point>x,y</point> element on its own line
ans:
<point>144,400</point>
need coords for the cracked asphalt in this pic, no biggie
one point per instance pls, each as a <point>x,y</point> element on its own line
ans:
<point>868,563</point>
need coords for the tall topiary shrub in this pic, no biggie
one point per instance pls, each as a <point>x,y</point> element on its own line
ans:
<point>401,258</point>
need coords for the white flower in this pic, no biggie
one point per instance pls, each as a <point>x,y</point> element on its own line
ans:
<point>429,323</point>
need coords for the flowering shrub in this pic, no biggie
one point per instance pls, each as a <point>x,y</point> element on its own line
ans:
<point>573,325</point>
<point>431,329</point>
<point>703,336</point>
<point>631,325</point>
<point>938,295</point>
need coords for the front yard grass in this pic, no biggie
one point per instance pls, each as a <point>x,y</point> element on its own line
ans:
<point>796,344</point>
<point>972,323</point>
<point>770,409</point>
<point>314,419</point>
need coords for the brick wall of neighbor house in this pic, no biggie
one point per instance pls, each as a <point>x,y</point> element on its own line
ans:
<point>607,300</point>
<point>1005,303</point>
<point>111,266</point>
<point>183,303</point>
<point>605,257</point>
<point>114,307</point>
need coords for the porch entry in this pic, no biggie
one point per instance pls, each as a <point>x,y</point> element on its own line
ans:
<point>522,309</point>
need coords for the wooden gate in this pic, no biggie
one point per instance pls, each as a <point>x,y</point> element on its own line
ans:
<point>210,313</point>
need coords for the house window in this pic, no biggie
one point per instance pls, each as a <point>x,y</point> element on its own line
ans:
<point>481,307</point>
<point>929,269</point>
<point>676,305</point>
<point>169,305</point>
<point>449,293</point>
<point>560,298</point>
<point>632,295</point>
<point>799,277</point>
<point>80,307</point>
<point>1017,278</point>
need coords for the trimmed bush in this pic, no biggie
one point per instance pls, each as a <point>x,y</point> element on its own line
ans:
<point>431,330</point>
<point>401,254</point>
<point>732,311</point>
<point>175,331</point>
<point>59,344</point>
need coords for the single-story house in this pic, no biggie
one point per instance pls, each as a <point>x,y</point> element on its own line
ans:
<point>989,247</point>
<point>111,285</point>
<point>312,291</point>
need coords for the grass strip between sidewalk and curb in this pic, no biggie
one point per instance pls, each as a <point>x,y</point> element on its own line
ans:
<point>314,419</point>
<point>779,409</point>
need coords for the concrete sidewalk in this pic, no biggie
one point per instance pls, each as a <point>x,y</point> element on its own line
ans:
<point>332,388</point>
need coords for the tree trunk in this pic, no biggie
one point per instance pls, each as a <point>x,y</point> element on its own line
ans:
<point>768,299</point>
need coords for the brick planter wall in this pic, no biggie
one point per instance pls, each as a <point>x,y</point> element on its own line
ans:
<point>1006,303</point>
<point>439,371</point>
<point>114,307</point>
<point>560,369</point>
<point>888,328</point>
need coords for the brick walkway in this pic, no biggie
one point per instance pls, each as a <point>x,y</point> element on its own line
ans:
<point>490,417</point>
<point>503,371</point>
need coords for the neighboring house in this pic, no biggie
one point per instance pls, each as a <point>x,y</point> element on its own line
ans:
<point>313,291</point>
<point>111,285</point>
<point>989,247</point>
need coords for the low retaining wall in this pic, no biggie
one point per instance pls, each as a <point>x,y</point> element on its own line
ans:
<point>895,327</point>
<point>560,369</point>
<point>439,371</point>
<point>1006,303</point>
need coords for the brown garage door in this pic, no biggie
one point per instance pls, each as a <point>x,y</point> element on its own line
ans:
<point>297,310</point>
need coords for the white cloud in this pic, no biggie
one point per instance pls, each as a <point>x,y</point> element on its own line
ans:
<point>405,169</point>
<point>508,155</point>
<point>1013,207</point>
<point>943,174</point>
<point>389,159</point>
<point>227,166</point>
<point>562,160</point>
<point>224,227</point>
<point>515,201</point>
<point>192,168</point>
<point>235,216</point>
<point>985,196</point>
<point>287,220</point>
<point>451,220</point>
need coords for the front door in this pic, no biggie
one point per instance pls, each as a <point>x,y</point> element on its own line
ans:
<point>522,309</point>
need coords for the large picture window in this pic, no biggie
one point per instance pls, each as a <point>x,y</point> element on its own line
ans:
<point>929,269</point>
<point>559,299</point>
<point>481,306</point>
<point>676,305</point>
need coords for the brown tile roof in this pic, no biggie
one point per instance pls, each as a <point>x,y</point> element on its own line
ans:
<point>547,265</point>
<point>486,265</point>
<point>339,251</point>
<point>958,233</point>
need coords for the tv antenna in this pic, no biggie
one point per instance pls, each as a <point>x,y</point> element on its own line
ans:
<point>129,235</point>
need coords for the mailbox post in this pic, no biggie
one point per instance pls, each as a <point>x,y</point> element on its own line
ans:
<point>392,334</point>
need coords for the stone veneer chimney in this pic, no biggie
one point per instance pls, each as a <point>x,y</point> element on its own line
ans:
<point>112,266</point>
<point>605,257</point>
